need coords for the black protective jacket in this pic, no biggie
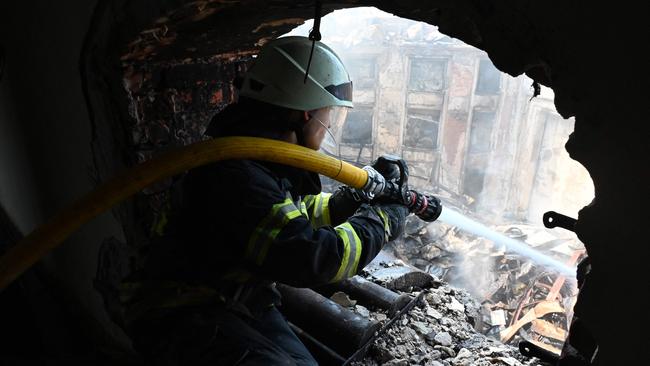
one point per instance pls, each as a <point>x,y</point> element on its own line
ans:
<point>250,222</point>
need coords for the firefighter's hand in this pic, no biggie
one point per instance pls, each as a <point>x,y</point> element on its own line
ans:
<point>374,186</point>
<point>394,216</point>
<point>389,166</point>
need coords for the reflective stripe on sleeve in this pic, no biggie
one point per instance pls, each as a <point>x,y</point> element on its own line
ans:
<point>351,253</point>
<point>386,221</point>
<point>303,209</point>
<point>321,210</point>
<point>269,228</point>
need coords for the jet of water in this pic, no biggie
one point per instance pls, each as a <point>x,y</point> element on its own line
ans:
<point>454,218</point>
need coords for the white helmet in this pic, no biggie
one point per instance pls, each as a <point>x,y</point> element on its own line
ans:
<point>278,76</point>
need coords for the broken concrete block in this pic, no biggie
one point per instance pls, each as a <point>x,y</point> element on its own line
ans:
<point>343,299</point>
<point>361,310</point>
<point>433,363</point>
<point>456,305</point>
<point>422,328</point>
<point>464,353</point>
<point>380,317</point>
<point>433,298</point>
<point>448,351</point>
<point>403,278</point>
<point>443,339</point>
<point>433,313</point>
<point>397,362</point>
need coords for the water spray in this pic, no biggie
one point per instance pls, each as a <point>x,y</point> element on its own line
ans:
<point>461,221</point>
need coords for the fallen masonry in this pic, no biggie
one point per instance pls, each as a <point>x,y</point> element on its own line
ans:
<point>437,331</point>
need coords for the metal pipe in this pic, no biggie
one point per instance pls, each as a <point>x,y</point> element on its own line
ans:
<point>341,329</point>
<point>368,293</point>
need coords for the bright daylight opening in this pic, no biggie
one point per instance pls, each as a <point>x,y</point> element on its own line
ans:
<point>493,153</point>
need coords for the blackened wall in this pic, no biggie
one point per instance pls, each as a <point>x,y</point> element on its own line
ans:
<point>46,163</point>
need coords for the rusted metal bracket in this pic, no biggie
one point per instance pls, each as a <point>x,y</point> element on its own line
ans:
<point>553,219</point>
<point>529,349</point>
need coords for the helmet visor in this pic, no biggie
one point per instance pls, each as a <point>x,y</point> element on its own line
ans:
<point>341,91</point>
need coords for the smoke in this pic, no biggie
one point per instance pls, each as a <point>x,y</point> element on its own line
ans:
<point>454,218</point>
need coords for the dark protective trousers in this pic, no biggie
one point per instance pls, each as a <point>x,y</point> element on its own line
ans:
<point>204,336</point>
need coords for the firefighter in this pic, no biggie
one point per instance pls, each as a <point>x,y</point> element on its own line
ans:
<point>207,292</point>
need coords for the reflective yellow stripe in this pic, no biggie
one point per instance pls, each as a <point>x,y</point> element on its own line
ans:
<point>303,209</point>
<point>269,228</point>
<point>386,220</point>
<point>288,216</point>
<point>351,252</point>
<point>309,200</point>
<point>321,211</point>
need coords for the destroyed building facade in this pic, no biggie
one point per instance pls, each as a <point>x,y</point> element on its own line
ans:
<point>466,129</point>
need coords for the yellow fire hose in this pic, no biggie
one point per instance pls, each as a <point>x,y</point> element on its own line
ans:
<point>51,234</point>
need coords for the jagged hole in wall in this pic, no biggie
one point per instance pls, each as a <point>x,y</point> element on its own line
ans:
<point>474,137</point>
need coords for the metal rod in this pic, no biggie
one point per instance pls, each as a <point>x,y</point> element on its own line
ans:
<point>328,351</point>
<point>363,349</point>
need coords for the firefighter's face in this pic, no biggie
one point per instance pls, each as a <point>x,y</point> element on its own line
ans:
<point>318,125</point>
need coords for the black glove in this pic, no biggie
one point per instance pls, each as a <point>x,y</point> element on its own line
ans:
<point>394,216</point>
<point>343,203</point>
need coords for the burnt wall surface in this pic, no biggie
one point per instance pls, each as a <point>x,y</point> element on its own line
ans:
<point>53,310</point>
<point>69,109</point>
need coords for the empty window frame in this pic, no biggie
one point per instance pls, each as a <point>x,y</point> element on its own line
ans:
<point>489,79</point>
<point>358,126</point>
<point>422,128</point>
<point>481,131</point>
<point>427,75</point>
<point>362,73</point>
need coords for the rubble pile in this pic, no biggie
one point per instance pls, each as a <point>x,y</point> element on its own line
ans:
<point>519,300</point>
<point>437,331</point>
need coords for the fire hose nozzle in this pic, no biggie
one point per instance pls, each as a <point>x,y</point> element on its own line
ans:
<point>426,207</point>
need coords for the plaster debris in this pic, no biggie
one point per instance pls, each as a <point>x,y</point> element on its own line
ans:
<point>343,299</point>
<point>437,331</point>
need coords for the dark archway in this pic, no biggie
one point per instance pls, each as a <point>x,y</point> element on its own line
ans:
<point>577,49</point>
